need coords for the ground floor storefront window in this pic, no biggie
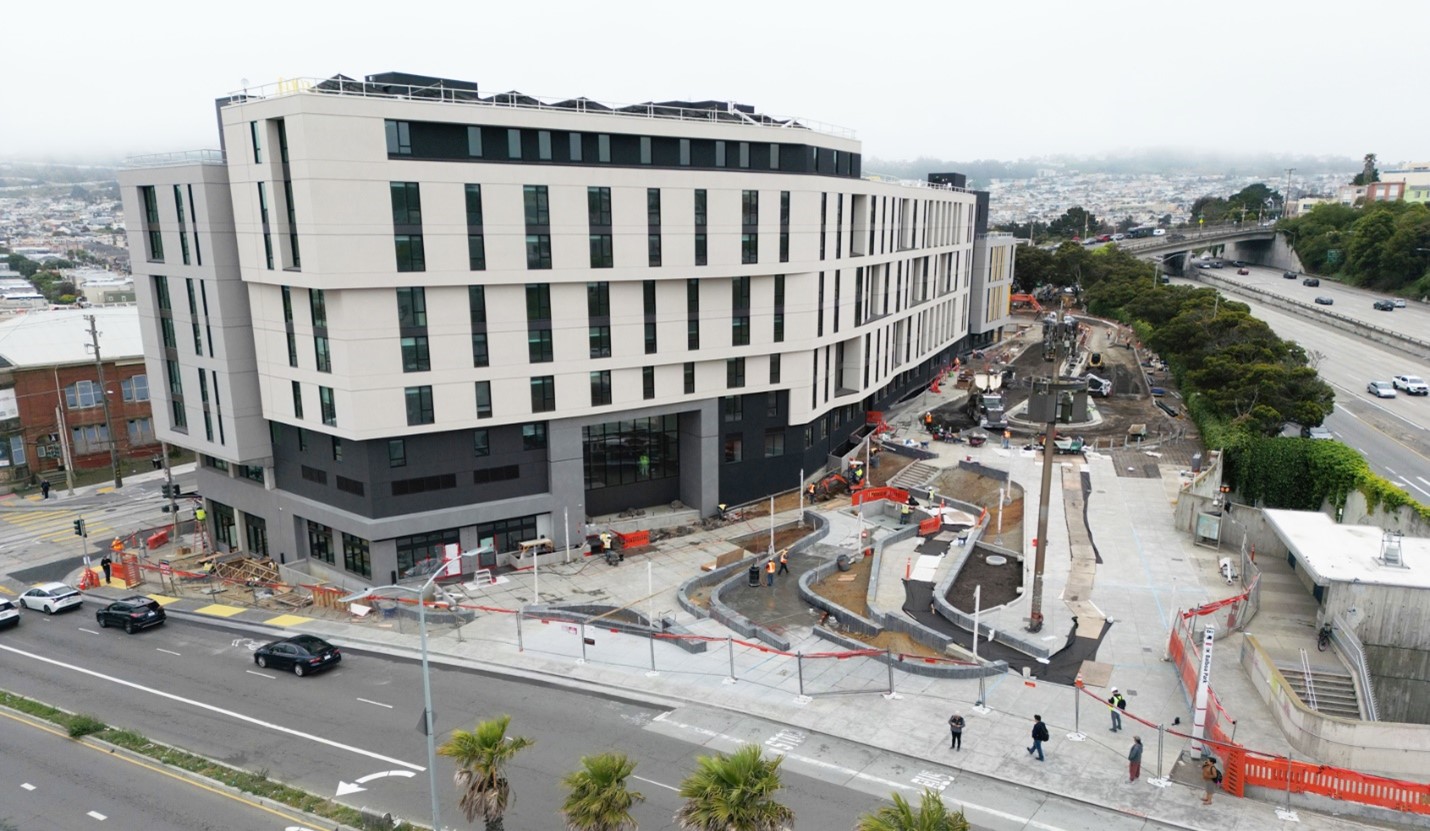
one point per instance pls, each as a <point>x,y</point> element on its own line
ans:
<point>627,452</point>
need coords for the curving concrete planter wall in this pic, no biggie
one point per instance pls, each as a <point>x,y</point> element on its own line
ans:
<point>916,667</point>
<point>584,613</point>
<point>946,610</point>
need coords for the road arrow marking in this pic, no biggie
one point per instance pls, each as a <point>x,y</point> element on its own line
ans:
<point>345,788</point>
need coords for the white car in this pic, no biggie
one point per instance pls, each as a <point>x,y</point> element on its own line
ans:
<point>51,597</point>
<point>9,613</point>
<point>1380,389</point>
<point>1412,384</point>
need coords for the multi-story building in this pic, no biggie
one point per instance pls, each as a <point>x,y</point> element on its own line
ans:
<point>422,316</point>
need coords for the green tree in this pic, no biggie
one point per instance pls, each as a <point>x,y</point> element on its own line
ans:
<point>482,755</point>
<point>1368,172</point>
<point>1367,246</point>
<point>1075,222</point>
<point>932,815</point>
<point>733,792</point>
<point>597,798</point>
<point>26,266</point>
<point>1032,267</point>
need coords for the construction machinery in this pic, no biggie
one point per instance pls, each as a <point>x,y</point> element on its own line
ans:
<point>1099,386</point>
<point>830,487</point>
<point>1024,301</point>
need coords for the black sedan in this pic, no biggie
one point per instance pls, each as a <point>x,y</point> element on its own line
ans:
<point>132,613</point>
<point>1383,306</point>
<point>301,653</point>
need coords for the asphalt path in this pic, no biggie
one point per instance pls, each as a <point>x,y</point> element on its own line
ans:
<point>1392,433</point>
<point>52,782</point>
<point>195,686</point>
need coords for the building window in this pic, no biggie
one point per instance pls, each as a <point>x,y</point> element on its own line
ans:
<point>775,368</point>
<point>419,405</point>
<point>734,408</point>
<point>749,226</point>
<point>538,226</point>
<point>719,154</point>
<point>415,356</point>
<point>298,402</point>
<point>320,542</point>
<point>735,372</point>
<point>645,150</point>
<point>598,212</point>
<point>477,307</point>
<point>603,148</point>
<point>701,243</point>
<point>337,445</point>
<point>476,241</point>
<point>648,310</point>
<point>600,338</point>
<point>150,200</point>
<point>474,142</point>
<point>83,394</point>
<point>774,443</point>
<point>744,154</point>
<point>653,242</point>
<point>685,152</point>
<point>625,452</point>
<point>784,226</point>
<point>225,528</point>
<point>412,308</point>
<point>575,147</point>
<point>543,145</point>
<point>734,448</point>
<point>481,443</point>
<point>774,157</point>
<point>406,203</point>
<point>543,394</point>
<point>692,314</point>
<point>399,138</point>
<point>538,323</point>
<point>141,431</point>
<point>396,453</point>
<point>135,388</point>
<point>322,353</point>
<point>779,317</point>
<point>356,558</point>
<point>513,144</point>
<point>647,382</point>
<point>689,377</point>
<point>327,406</point>
<point>601,388</point>
<point>533,436</point>
<point>484,399</point>
<point>740,303</point>
<point>539,349</point>
<point>411,255</point>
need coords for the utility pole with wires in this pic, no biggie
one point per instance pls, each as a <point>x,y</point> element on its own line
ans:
<point>1286,197</point>
<point>104,400</point>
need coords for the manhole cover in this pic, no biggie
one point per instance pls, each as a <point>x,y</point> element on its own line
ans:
<point>995,560</point>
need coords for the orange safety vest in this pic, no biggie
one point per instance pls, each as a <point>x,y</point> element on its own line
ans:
<point>770,567</point>
<point>784,559</point>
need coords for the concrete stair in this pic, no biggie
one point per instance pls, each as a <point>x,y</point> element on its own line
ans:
<point>914,475</point>
<point>1335,690</point>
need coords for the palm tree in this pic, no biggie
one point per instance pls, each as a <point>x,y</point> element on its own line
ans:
<point>481,755</point>
<point>598,799</point>
<point>932,815</point>
<point>734,792</point>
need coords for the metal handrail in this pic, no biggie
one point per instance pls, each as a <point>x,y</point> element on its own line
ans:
<point>175,158</point>
<point>365,89</point>
<point>1310,685</point>
<point>1350,645</point>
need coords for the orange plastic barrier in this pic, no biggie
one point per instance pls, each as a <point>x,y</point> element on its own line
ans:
<point>157,539</point>
<point>930,526</point>
<point>634,539</point>
<point>871,494</point>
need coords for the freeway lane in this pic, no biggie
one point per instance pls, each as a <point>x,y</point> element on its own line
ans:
<point>49,781</point>
<point>1353,302</point>
<point>1393,434</point>
<point>193,686</point>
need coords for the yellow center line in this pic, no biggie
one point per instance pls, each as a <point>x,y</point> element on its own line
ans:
<point>85,742</point>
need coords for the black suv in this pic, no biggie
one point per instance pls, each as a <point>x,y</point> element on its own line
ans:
<point>1383,306</point>
<point>1311,281</point>
<point>133,613</point>
<point>1289,275</point>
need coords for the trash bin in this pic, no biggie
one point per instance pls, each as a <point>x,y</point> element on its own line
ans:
<point>388,608</point>
<point>754,575</point>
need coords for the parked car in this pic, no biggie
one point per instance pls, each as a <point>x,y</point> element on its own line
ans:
<point>9,612</point>
<point>1242,271</point>
<point>1311,281</point>
<point>1383,306</point>
<point>1320,433</point>
<point>51,597</point>
<point>1412,384</point>
<point>132,613</point>
<point>1323,300</point>
<point>1289,275</point>
<point>301,653</point>
<point>1380,389</point>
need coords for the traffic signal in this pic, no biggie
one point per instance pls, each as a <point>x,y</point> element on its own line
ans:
<point>79,528</point>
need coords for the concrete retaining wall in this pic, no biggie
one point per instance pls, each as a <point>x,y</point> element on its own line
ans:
<point>963,620</point>
<point>585,613</point>
<point>912,665</point>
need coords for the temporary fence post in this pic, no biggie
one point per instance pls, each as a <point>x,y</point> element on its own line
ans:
<point>799,668</point>
<point>520,647</point>
<point>981,696</point>
<point>652,652</point>
<point>1077,710</point>
<point>889,654</point>
<point>1161,737</point>
<point>730,650</point>
<point>1288,781</point>
<point>583,641</point>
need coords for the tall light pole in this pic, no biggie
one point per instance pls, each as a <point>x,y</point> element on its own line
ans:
<point>104,399</point>
<point>1060,333</point>
<point>1286,197</point>
<point>428,720</point>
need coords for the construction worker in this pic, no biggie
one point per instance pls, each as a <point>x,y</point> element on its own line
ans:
<point>770,572</point>
<point>784,562</point>
<point>117,546</point>
<point>904,511</point>
<point>721,507</point>
<point>605,537</point>
<point>809,491</point>
<point>1007,438</point>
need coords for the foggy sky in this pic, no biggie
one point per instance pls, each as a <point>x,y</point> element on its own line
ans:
<point>950,79</point>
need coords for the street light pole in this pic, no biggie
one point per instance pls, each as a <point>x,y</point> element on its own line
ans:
<point>104,399</point>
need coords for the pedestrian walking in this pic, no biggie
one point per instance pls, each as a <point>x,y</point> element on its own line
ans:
<point>1134,760</point>
<point>784,562</point>
<point>1211,777</point>
<point>955,729</point>
<point>108,565</point>
<point>44,489</point>
<point>1040,735</point>
<point>770,572</point>
<point>1116,703</point>
<point>1007,438</point>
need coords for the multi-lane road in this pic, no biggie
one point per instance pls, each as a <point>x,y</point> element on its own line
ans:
<point>1393,433</point>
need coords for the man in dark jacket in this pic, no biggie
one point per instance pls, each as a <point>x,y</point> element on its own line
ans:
<point>1040,735</point>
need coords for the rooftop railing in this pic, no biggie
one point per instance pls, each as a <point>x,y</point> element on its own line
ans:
<point>518,100</point>
<point>180,157</point>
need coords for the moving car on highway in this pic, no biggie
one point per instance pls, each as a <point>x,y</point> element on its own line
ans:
<point>1412,384</point>
<point>1242,271</point>
<point>1311,281</point>
<point>1323,300</point>
<point>1383,306</point>
<point>1380,389</point>
<point>1289,275</point>
<point>1319,433</point>
<point>51,597</point>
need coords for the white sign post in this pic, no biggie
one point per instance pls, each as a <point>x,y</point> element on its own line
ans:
<point>1204,680</point>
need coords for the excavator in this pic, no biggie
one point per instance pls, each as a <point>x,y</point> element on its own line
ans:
<point>1019,301</point>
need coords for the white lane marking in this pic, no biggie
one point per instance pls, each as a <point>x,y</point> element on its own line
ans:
<point>657,784</point>
<point>97,815</point>
<point>260,674</point>
<point>90,631</point>
<point>167,651</point>
<point>278,728</point>
<point>375,703</point>
<point>1423,479</point>
<point>1361,451</point>
<point>850,773</point>
<point>1415,486</point>
<point>1392,471</point>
